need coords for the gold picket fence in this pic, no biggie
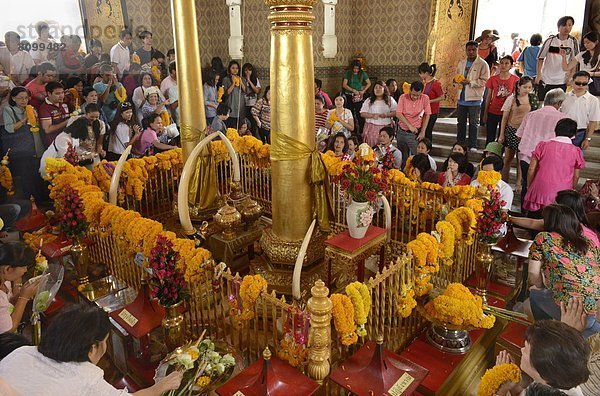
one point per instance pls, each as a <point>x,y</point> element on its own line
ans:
<point>414,210</point>
<point>158,196</point>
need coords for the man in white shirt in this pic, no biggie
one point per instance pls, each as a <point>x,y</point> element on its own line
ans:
<point>495,163</point>
<point>20,61</point>
<point>550,73</point>
<point>169,81</point>
<point>583,107</point>
<point>119,53</point>
<point>41,46</point>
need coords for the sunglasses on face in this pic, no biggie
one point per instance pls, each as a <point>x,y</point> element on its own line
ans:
<point>580,83</point>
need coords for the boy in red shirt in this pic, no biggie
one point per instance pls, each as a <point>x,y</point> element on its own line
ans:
<point>46,72</point>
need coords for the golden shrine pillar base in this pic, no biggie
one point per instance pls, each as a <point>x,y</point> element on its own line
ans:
<point>276,264</point>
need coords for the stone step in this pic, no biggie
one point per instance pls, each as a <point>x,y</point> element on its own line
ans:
<point>447,128</point>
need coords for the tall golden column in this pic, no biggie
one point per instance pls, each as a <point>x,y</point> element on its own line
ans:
<point>294,162</point>
<point>292,114</point>
<point>203,186</point>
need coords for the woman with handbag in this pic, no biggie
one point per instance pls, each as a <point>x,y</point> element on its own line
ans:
<point>25,145</point>
<point>356,82</point>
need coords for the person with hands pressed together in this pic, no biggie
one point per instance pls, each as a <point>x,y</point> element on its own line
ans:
<point>15,257</point>
<point>106,91</point>
<point>554,357</point>
<point>66,360</point>
<point>413,113</point>
<point>377,111</point>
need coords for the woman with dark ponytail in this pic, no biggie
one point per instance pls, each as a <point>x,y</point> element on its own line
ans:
<point>433,89</point>
<point>563,264</point>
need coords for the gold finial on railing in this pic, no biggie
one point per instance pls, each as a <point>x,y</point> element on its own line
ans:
<point>267,354</point>
<point>319,339</point>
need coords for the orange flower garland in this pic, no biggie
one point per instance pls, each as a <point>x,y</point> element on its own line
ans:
<point>343,318</point>
<point>493,378</point>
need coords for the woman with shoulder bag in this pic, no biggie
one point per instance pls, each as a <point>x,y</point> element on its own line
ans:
<point>26,147</point>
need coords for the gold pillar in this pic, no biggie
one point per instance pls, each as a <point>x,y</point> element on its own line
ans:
<point>203,186</point>
<point>292,113</point>
<point>319,339</point>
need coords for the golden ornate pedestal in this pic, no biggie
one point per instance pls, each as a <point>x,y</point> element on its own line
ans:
<point>346,264</point>
<point>236,252</point>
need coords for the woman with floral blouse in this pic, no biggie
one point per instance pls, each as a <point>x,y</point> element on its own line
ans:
<point>563,264</point>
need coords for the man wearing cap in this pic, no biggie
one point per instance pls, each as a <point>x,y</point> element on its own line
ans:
<point>476,73</point>
<point>538,126</point>
<point>550,73</point>
<point>492,149</point>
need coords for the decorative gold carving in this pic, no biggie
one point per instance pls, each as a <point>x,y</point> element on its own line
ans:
<point>228,218</point>
<point>319,339</point>
<point>290,3</point>
<point>283,252</point>
<point>344,264</point>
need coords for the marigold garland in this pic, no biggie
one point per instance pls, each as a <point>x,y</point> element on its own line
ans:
<point>6,179</point>
<point>475,204</point>
<point>464,222</point>
<point>294,353</point>
<point>250,289</point>
<point>343,318</point>
<point>139,233</point>
<point>406,301</point>
<point>459,307</point>
<point>446,231</point>
<point>488,178</point>
<point>493,378</point>
<point>32,118</point>
<point>423,284</point>
<point>361,300</point>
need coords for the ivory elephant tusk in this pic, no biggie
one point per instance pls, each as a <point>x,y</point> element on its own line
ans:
<point>188,172</point>
<point>116,176</point>
<point>299,260</point>
<point>387,210</point>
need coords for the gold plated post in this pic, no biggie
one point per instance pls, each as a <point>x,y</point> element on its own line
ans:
<point>292,114</point>
<point>203,186</point>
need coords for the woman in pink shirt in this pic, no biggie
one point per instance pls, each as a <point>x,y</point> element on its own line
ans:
<point>555,166</point>
<point>145,142</point>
